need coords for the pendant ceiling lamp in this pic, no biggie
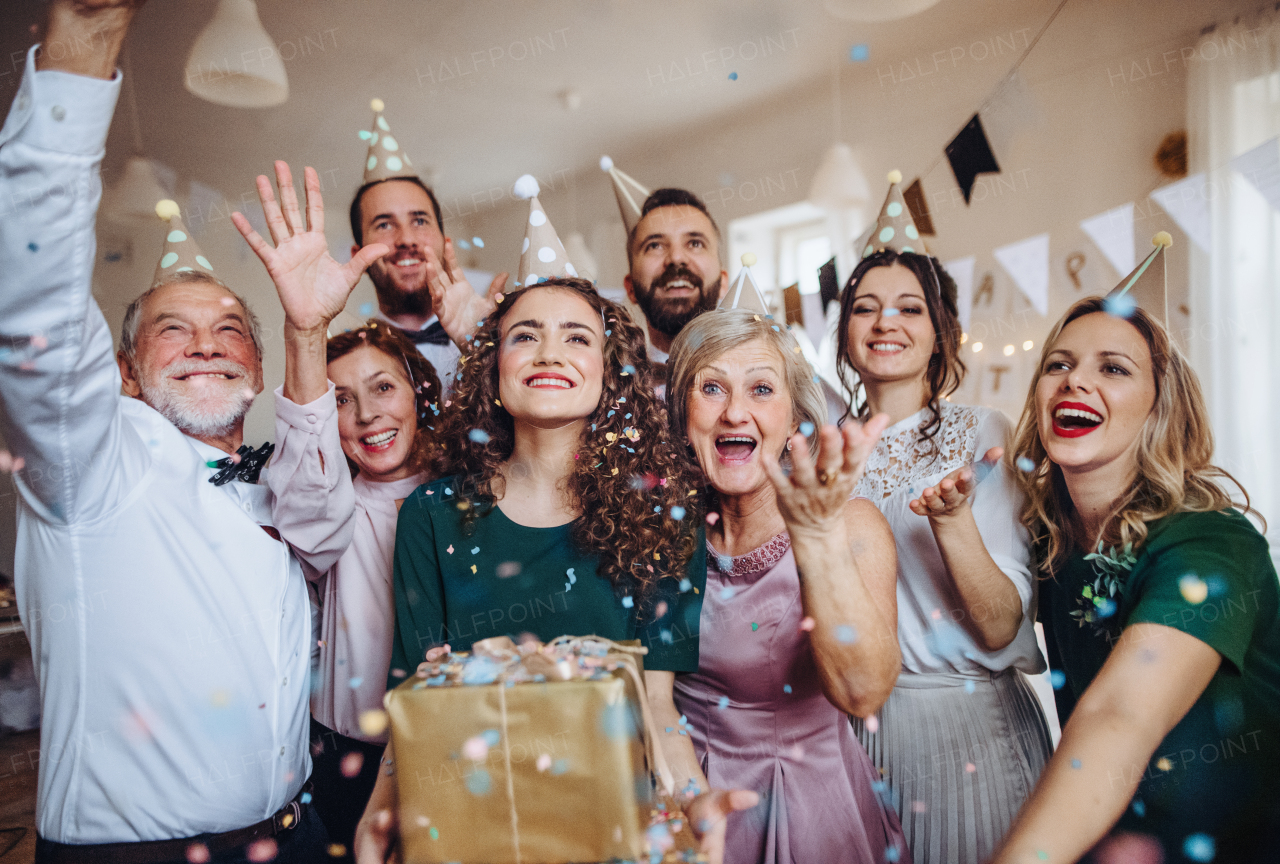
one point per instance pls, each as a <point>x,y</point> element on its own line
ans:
<point>876,10</point>
<point>132,198</point>
<point>839,183</point>
<point>234,61</point>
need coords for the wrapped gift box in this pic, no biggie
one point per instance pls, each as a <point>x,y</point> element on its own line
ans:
<point>535,755</point>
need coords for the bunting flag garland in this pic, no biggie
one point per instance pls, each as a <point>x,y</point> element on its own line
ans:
<point>1261,167</point>
<point>961,270</point>
<point>828,284</point>
<point>913,195</point>
<point>1112,231</point>
<point>970,155</point>
<point>1187,202</point>
<point>1027,262</point>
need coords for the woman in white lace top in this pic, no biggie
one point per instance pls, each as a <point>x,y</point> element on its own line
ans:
<point>962,738</point>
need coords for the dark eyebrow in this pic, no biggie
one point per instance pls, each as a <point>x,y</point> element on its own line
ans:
<point>528,322</point>
<point>382,216</point>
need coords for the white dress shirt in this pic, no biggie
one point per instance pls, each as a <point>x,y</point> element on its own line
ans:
<point>171,633</point>
<point>443,357</point>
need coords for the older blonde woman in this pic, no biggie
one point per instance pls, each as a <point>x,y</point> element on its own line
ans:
<point>798,623</point>
<point>1160,607</point>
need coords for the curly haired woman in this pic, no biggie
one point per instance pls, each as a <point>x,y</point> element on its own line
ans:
<point>1160,606</point>
<point>557,512</point>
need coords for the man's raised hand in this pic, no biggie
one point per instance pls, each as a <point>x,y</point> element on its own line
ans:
<point>313,287</point>
<point>454,301</point>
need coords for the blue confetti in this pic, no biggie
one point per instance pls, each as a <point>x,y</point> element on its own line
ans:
<point>477,242</point>
<point>723,703</point>
<point>448,491</point>
<point>892,854</point>
<point>1199,847</point>
<point>666,637</point>
<point>491,737</point>
<point>733,76</point>
<point>786,688</point>
<point>480,670</point>
<point>627,602</point>
<point>366,310</point>
<point>1076,763</point>
<point>572,578</point>
<point>1025,464</point>
<point>479,782</point>
<point>463,244</point>
<point>560,766</point>
<point>890,312</point>
<point>970,687</point>
<point>806,428</point>
<point>1139,808</point>
<point>1121,306</point>
<point>33,246</point>
<point>355,682</point>
<point>628,369</point>
<point>685,585</point>
<point>1106,607</point>
<point>861,53</point>
<point>306,798</point>
<point>677,512</point>
<point>727,592</point>
<point>847,634</point>
<point>479,436</point>
<point>1058,679</point>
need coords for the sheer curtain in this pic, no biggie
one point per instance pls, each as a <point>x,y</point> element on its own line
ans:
<point>1233,105</point>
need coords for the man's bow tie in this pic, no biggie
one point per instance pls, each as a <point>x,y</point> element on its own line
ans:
<point>433,335</point>
<point>244,466</point>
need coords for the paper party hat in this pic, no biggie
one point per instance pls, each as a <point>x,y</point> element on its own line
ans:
<point>630,194</point>
<point>894,228</point>
<point>181,254</point>
<point>744,293</point>
<point>1147,281</point>
<point>543,256</point>
<point>385,159</point>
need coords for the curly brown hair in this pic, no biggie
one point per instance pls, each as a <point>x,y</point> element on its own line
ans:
<point>627,477</point>
<point>946,369</point>
<point>419,374</point>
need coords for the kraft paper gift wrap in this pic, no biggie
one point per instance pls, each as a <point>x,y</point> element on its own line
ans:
<point>531,755</point>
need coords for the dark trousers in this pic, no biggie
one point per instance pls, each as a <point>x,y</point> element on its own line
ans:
<point>340,799</point>
<point>306,844</point>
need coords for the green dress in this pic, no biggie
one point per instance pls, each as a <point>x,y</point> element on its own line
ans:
<point>1212,779</point>
<point>504,579</point>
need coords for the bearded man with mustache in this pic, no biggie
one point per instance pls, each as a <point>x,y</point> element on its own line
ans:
<point>675,271</point>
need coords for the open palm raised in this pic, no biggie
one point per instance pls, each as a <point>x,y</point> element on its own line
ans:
<point>313,287</point>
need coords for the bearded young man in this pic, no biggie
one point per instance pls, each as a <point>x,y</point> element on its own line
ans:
<point>674,256</point>
<point>175,693</point>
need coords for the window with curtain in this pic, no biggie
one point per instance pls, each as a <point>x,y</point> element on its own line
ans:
<point>1233,93</point>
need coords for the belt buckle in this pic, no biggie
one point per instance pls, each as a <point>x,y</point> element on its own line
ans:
<point>288,817</point>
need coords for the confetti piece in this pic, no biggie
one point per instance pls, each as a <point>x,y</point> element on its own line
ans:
<point>475,550</point>
<point>627,602</point>
<point>354,683</point>
<point>560,766</point>
<point>352,763</point>
<point>1194,589</point>
<point>479,436</point>
<point>450,549</point>
<point>859,53</point>
<point>891,312</point>
<point>723,703</point>
<point>434,832</point>
<point>677,512</point>
<point>373,722</point>
<point>476,749</point>
<point>685,585</point>
<point>1076,763</point>
<point>733,76</point>
<point>572,578</point>
<point>754,626</point>
<point>197,853</point>
<point>846,634</point>
<point>727,592</point>
<point>477,242</point>
<point>892,854</point>
<point>544,762</point>
<point>262,850</point>
<point>1058,679</point>
<point>713,518</point>
<point>872,723</point>
<point>970,687</point>
<point>479,782</point>
<point>628,369</point>
<point>473,568</point>
<point>1121,306</point>
<point>806,428</point>
<point>366,310</point>
<point>507,569</point>
<point>969,767</point>
<point>337,850</point>
<point>1139,808</point>
<point>1025,464</point>
<point>34,247</point>
<point>786,688</point>
<point>1199,847</point>
<point>305,798</point>
<point>1164,764</point>
<point>660,610</point>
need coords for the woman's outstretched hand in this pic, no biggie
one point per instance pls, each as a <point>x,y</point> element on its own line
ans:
<point>954,493</point>
<point>814,494</point>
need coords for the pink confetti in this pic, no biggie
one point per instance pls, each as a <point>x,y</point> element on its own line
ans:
<point>660,610</point>
<point>450,549</point>
<point>807,624</point>
<point>936,614</point>
<point>872,724</point>
<point>713,518</point>
<point>919,807</point>
<point>197,853</point>
<point>262,850</point>
<point>544,762</point>
<point>476,749</point>
<point>39,343</point>
<point>969,767</point>
<point>352,763</point>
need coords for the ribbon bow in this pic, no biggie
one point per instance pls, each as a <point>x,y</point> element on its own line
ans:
<point>244,465</point>
<point>433,335</point>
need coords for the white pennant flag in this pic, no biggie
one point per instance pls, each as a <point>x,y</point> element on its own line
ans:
<point>961,271</point>
<point>1113,233</point>
<point>1027,261</point>
<point>1261,167</point>
<point>1187,201</point>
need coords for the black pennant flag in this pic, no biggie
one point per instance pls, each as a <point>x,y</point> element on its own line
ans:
<point>914,196</point>
<point>970,155</point>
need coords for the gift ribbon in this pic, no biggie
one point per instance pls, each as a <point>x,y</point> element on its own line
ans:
<point>502,648</point>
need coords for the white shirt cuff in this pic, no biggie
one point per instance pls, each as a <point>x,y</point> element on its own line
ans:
<point>310,417</point>
<point>61,112</point>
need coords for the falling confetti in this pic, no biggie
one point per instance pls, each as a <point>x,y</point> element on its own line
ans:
<point>873,724</point>
<point>786,688</point>
<point>807,624</point>
<point>1025,464</point>
<point>337,850</point>
<point>806,428</point>
<point>197,853</point>
<point>355,683</point>
<point>263,850</point>
<point>859,53</point>
<point>1194,589</point>
<point>713,518</point>
<point>727,592</point>
<point>1058,679</point>
<point>476,749</point>
<point>544,762</point>
<point>754,626</point>
<point>479,782</point>
<point>352,763</point>
<point>373,722</point>
<point>969,767</point>
<point>1164,764</point>
<point>627,602</point>
<point>479,436</point>
<point>366,310</point>
<point>846,634</point>
<point>507,569</point>
<point>733,76</point>
<point>1199,847</point>
<point>560,766</point>
<point>723,703</point>
<point>1076,763</point>
<point>477,242</point>
<point>1121,305</point>
<point>677,512</point>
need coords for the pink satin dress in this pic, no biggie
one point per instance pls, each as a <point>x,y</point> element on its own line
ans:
<point>759,720</point>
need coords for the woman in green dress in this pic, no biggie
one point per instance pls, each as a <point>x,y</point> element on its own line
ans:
<point>1160,606</point>
<point>559,511</point>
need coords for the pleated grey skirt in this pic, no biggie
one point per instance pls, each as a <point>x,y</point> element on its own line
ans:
<point>959,755</point>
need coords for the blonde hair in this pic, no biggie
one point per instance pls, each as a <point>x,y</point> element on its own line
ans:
<point>714,333</point>
<point>1174,473</point>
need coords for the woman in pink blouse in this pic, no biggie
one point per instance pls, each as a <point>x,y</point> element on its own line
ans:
<point>387,398</point>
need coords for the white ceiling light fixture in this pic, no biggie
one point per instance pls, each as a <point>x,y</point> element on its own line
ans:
<point>234,61</point>
<point>876,10</point>
<point>133,197</point>
<point>839,183</point>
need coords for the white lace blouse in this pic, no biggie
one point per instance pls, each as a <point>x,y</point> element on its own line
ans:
<point>931,616</point>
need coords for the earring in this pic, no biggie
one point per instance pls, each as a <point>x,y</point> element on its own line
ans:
<point>788,445</point>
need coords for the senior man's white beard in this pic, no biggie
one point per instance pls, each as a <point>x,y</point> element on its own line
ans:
<point>216,411</point>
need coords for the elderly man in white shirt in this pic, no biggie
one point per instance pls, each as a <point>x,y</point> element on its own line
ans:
<point>175,696</point>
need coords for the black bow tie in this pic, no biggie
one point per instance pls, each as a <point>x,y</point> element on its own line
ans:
<point>433,335</point>
<point>245,466</point>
